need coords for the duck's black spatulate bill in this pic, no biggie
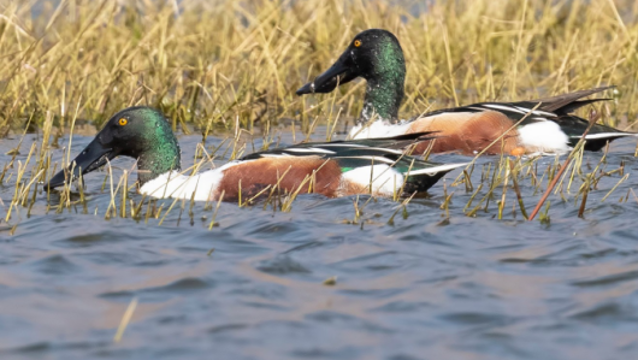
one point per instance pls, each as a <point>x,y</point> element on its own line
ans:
<point>341,72</point>
<point>91,158</point>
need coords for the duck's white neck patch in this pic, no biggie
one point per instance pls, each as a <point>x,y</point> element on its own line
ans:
<point>544,137</point>
<point>378,129</point>
<point>176,185</point>
<point>383,179</point>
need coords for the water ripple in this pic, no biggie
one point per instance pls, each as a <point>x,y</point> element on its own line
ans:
<point>254,287</point>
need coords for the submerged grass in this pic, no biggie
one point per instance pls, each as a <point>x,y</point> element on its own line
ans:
<point>231,67</point>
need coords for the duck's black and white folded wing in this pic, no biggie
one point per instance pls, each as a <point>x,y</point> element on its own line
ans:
<point>557,109</point>
<point>361,147</point>
<point>352,154</point>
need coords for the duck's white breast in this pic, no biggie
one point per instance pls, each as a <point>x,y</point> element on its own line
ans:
<point>379,129</point>
<point>174,184</point>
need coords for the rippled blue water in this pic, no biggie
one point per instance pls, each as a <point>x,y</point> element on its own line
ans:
<point>477,288</point>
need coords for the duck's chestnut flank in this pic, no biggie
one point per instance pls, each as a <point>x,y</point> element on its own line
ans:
<point>307,174</point>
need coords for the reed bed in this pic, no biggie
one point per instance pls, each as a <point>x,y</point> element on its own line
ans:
<point>228,63</point>
<point>230,68</point>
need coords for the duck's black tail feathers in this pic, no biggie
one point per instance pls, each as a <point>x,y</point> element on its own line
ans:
<point>566,103</point>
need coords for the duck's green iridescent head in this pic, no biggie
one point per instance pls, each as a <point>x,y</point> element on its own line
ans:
<point>140,132</point>
<point>376,56</point>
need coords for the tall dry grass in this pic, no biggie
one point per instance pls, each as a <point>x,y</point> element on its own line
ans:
<point>219,64</point>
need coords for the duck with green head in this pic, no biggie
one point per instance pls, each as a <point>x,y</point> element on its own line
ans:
<point>515,128</point>
<point>337,168</point>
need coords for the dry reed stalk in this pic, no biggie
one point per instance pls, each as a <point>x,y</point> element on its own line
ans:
<point>592,120</point>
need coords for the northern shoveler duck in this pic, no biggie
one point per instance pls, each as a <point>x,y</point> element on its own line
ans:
<point>338,168</point>
<point>376,56</point>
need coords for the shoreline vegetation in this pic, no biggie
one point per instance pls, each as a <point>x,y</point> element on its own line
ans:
<point>231,68</point>
<point>231,62</point>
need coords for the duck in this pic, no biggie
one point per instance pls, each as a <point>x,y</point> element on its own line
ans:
<point>545,126</point>
<point>338,168</point>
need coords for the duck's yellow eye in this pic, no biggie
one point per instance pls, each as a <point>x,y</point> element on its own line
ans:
<point>357,43</point>
<point>122,121</point>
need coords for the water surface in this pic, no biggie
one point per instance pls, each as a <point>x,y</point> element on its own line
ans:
<point>476,288</point>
